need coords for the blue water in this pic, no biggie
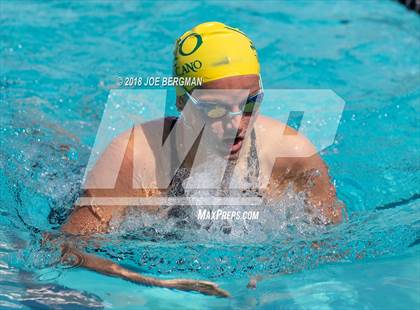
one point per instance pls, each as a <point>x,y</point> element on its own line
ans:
<point>58,63</point>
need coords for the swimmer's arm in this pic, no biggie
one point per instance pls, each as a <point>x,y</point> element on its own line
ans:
<point>312,177</point>
<point>308,174</point>
<point>88,220</point>
<point>107,267</point>
<point>321,194</point>
<point>84,222</point>
<point>297,168</point>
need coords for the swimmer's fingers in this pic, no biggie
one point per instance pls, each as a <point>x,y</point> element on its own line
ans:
<point>253,282</point>
<point>204,287</point>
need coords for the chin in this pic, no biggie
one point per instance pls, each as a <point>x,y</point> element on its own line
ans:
<point>232,156</point>
<point>227,153</point>
<point>224,154</point>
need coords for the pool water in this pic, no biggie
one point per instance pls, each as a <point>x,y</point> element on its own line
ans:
<point>58,63</point>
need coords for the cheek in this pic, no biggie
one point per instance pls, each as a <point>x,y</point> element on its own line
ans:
<point>217,129</point>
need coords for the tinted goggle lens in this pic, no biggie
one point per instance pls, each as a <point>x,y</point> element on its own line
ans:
<point>218,110</point>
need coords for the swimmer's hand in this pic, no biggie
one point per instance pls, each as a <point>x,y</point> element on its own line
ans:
<point>71,255</point>
<point>204,287</point>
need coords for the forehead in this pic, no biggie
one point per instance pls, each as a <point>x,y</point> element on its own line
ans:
<point>234,82</point>
<point>230,89</point>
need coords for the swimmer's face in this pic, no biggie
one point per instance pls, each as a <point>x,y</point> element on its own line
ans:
<point>229,94</point>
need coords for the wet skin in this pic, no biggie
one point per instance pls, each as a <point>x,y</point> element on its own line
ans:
<point>293,170</point>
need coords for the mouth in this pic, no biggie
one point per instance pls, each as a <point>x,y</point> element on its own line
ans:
<point>235,146</point>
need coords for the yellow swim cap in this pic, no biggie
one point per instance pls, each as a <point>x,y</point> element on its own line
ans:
<point>213,51</point>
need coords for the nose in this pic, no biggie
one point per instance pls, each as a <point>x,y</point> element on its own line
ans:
<point>234,122</point>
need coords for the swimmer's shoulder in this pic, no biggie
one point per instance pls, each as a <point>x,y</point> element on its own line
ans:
<point>276,138</point>
<point>95,219</point>
<point>141,141</point>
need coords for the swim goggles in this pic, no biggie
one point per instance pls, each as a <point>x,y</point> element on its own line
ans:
<point>215,110</point>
